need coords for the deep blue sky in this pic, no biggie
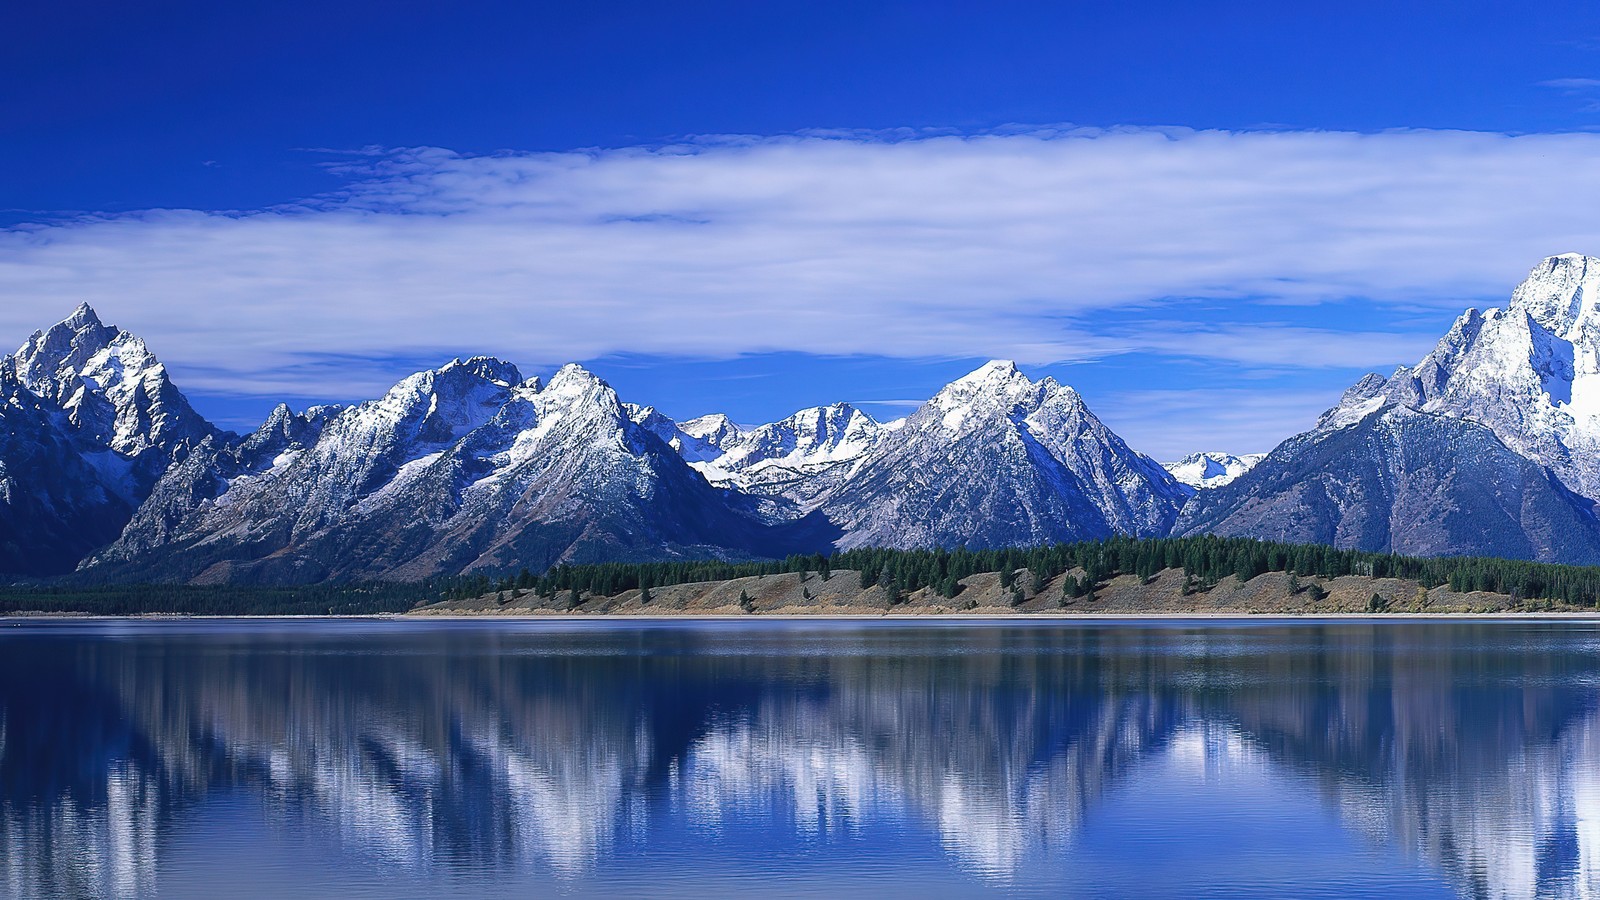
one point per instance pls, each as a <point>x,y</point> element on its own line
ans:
<point>119,107</point>
<point>113,106</point>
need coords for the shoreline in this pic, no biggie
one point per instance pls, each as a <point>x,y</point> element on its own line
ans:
<point>1575,616</point>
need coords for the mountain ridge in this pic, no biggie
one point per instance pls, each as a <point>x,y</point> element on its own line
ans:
<point>1488,445</point>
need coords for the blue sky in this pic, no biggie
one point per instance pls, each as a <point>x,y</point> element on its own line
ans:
<point>1209,218</point>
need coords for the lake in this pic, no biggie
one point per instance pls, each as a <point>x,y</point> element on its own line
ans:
<point>392,758</point>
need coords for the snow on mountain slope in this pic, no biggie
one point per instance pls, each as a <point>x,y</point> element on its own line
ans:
<point>698,440</point>
<point>995,459</point>
<point>461,468</point>
<point>1529,372</point>
<point>1211,469</point>
<point>111,386</point>
<point>61,495</point>
<point>794,460</point>
<point>1488,446</point>
<point>90,421</point>
<point>798,458</point>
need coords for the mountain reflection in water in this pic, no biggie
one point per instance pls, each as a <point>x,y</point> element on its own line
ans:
<point>404,756</point>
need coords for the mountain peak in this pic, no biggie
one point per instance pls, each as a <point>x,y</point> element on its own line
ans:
<point>992,372</point>
<point>84,317</point>
<point>1560,293</point>
<point>996,378</point>
<point>1211,468</point>
<point>573,376</point>
<point>488,368</point>
<point>998,387</point>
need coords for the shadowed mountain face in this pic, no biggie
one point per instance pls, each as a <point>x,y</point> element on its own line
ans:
<point>1403,481</point>
<point>88,422</point>
<point>1489,446</point>
<point>61,495</point>
<point>578,760</point>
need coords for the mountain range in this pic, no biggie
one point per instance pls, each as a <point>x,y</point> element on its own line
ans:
<point>1490,445</point>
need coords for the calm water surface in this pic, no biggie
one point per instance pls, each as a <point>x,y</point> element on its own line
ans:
<point>368,759</point>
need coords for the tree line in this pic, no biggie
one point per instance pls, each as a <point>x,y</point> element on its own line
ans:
<point>1205,560</point>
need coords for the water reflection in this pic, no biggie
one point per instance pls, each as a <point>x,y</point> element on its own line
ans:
<point>476,752</point>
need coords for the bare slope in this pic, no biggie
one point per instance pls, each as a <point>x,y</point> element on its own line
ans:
<point>1167,593</point>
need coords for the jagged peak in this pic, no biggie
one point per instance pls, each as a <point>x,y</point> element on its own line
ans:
<point>998,384</point>
<point>1560,292</point>
<point>78,335</point>
<point>1370,385</point>
<point>841,412</point>
<point>573,384</point>
<point>488,368</point>
<point>573,374</point>
<point>82,318</point>
<point>995,371</point>
<point>711,423</point>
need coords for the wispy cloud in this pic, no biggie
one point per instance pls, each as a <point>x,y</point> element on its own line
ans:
<point>1571,84</point>
<point>901,244</point>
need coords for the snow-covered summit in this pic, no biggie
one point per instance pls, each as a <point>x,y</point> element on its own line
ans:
<point>112,388</point>
<point>1529,371</point>
<point>1211,469</point>
<point>995,385</point>
<point>797,458</point>
<point>996,459</point>
<point>716,429</point>
<point>820,434</point>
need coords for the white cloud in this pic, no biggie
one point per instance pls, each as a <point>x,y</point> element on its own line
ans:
<point>1003,245</point>
<point>1571,84</point>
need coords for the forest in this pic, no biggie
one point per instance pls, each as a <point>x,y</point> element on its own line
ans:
<point>1206,560</point>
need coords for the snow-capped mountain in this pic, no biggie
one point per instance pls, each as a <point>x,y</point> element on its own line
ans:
<point>796,459</point>
<point>1400,480</point>
<point>456,469</point>
<point>1530,372</point>
<point>1211,469</point>
<point>89,421</point>
<point>112,388</point>
<point>61,495</point>
<point>1487,446</point>
<point>995,459</point>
